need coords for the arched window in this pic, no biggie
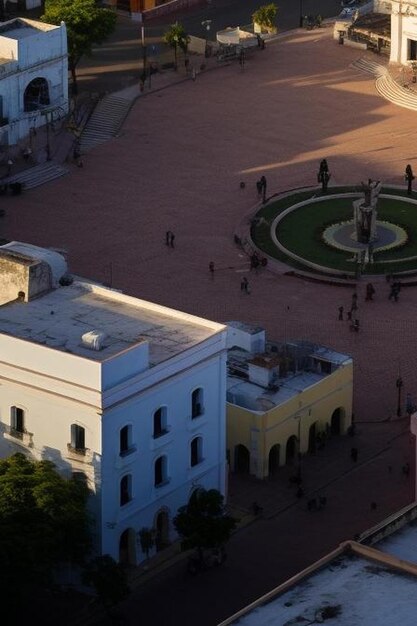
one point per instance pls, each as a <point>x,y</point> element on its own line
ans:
<point>197,407</point>
<point>161,471</point>
<point>17,421</point>
<point>77,438</point>
<point>160,422</point>
<point>36,94</point>
<point>196,451</point>
<point>125,489</point>
<point>126,444</point>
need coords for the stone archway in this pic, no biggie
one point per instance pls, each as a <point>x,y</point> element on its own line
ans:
<point>36,95</point>
<point>291,450</point>
<point>336,423</point>
<point>273,460</point>
<point>127,547</point>
<point>162,530</point>
<point>242,459</point>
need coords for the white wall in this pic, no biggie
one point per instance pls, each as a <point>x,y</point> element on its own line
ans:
<point>43,55</point>
<point>175,394</point>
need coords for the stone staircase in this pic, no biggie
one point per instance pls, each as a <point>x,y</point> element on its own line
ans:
<point>37,175</point>
<point>106,119</point>
<point>403,96</point>
<point>386,86</point>
<point>369,67</point>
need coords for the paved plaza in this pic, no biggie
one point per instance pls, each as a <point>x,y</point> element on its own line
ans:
<point>177,165</point>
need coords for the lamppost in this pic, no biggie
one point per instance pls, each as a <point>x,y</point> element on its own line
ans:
<point>399,384</point>
<point>299,475</point>
<point>206,24</point>
<point>301,14</point>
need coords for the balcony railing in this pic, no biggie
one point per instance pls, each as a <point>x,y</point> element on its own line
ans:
<point>79,454</point>
<point>22,435</point>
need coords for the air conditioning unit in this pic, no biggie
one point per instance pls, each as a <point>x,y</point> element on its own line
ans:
<point>93,340</point>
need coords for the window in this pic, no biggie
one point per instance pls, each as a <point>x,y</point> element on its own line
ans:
<point>197,403</point>
<point>160,471</point>
<point>196,451</point>
<point>125,489</point>
<point>17,421</point>
<point>77,438</point>
<point>160,422</point>
<point>126,445</point>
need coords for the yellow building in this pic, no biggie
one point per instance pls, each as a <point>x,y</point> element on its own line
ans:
<point>282,399</point>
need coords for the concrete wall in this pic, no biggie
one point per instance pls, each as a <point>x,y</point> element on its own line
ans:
<point>258,432</point>
<point>14,278</point>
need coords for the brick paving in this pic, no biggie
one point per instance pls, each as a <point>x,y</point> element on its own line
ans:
<point>177,165</point>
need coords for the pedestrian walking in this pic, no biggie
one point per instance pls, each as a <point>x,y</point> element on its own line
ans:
<point>370,290</point>
<point>354,306</point>
<point>244,285</point>
<point>171,240</point>
<point>259,187</point>
<point>354,454</point>
<point>341,313</point>
<point>211,269</point>
<point>395,291</point>
<point>263,183</point>
<point>409,179</point>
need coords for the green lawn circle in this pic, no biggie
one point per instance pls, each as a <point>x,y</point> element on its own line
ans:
<point>297,221</point>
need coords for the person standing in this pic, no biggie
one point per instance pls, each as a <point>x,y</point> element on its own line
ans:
<point>409,178</point>
<point>211,269</point>
<point>168,237</point>
<point>370,290</point>
<point>263,183</point>
<point>341,313</point>
<point>171,240</point>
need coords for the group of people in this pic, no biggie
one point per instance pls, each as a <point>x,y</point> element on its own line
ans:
<point>351,315</point>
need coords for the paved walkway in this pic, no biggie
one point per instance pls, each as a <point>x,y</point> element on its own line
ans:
<point>177,164</point>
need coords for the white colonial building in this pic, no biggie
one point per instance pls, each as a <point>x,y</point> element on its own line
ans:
<point>403,31</point>
<point>123,393</point>
<point>33,77</point>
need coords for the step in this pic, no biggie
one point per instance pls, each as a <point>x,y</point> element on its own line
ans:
<point>106,121</point>
<point>37,175</point>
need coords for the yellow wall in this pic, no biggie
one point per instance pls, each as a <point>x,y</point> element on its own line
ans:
<point>258,432</point>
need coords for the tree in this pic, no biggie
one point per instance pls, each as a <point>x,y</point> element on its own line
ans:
<point>87,25</point>
<point>176,37</point>
<point>265,15</point>
<point>43,523</point>
<point>203,523</point>
<point>108,579</point>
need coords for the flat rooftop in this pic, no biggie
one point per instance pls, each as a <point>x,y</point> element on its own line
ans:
<point>59,318</point>
<point>244,392</point>
<point>357,591</point>
<point>19,28</point>
<point>402,543</point>
<point>256,398</point>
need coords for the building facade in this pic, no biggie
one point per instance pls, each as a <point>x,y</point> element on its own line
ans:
<point>33,77</point>
<point>122,393</point>
<point>403,31</point>
<point>282,399</point>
